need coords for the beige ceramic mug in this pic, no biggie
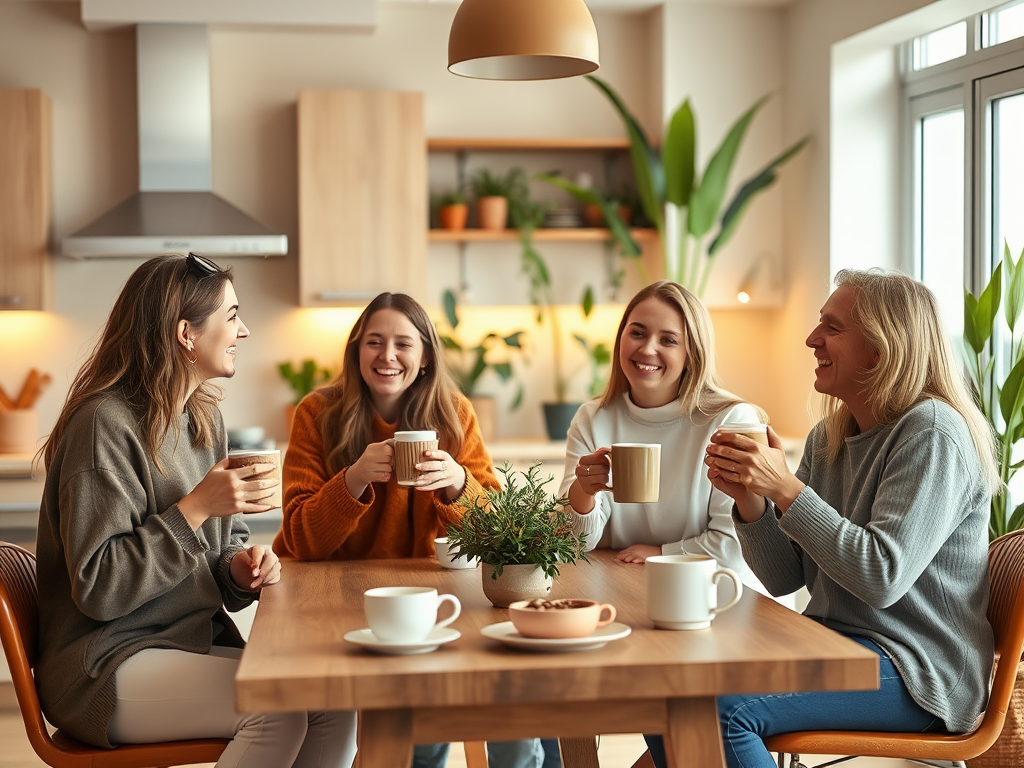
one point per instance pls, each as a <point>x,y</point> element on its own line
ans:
<point>409,447</point>
<point>682,590</point>
<point>636,472</point>
<point>247,458</point>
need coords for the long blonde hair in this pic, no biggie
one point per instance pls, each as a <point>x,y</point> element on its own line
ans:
<point>901,322</point>
<point>138,355</point>
<point>700,390</point>
<point>428,403</point>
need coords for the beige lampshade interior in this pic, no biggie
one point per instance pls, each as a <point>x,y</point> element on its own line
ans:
<point>522,40</point>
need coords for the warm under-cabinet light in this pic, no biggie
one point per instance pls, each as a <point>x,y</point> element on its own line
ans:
<point>522,40</point>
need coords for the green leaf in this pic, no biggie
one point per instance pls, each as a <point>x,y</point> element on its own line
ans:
<point>587,303</point>
<point>518,399</point>
<point>449,301</point>
<point>1016,520</point>
<point>514,340</point>
<point>678,155</point>
<point>503,370</point>
<point>988,303</point>
<point>450,343</point>
<point>707,198</point>
<point>647,167</point>
<point>757,183</point>
<point>610,209</point>
<point>972,334</point>
<point>1011,397</point>
<point>1014,288</point>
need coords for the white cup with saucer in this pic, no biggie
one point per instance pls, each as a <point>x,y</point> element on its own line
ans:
<point>445,556</point>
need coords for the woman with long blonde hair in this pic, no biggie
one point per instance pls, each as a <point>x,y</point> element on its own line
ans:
<point>885,522</point>
<point>663,389</point>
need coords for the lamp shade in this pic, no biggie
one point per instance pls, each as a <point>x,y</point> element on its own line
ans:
<point>522,40</point>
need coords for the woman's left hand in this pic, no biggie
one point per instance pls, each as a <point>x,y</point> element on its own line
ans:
<point>439,471</point>
<point>737,462</point>
<point>255,568</point>
<point>637,553</point>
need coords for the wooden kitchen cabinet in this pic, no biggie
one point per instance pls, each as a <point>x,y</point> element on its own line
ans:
<point>26,271</point>
<point>362,209</point>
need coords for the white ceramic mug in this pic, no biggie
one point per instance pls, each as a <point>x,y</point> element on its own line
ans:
<point>446,558</point>
<point>682,590</point>
<point>406,614</point>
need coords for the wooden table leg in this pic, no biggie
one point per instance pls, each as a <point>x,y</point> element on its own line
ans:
<point>385,738</point>
<point>578,753</point>
<point>694,738</point>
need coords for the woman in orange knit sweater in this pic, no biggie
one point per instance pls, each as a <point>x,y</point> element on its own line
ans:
<point>341,497</point>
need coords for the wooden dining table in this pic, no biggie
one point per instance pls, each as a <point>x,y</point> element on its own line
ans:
<point>476,688</point>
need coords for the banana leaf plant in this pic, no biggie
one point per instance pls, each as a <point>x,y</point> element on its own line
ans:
<point>683,204</point>
<point>1001,401</point>
<point>469,363</point>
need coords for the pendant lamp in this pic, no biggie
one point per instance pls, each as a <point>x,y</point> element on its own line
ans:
<point>522,40</point>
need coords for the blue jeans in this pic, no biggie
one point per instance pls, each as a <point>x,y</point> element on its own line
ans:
<point>526,753</point>
<point>747,719</point>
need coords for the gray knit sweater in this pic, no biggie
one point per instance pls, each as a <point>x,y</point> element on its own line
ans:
<point>119,568</point>
<point>891,541</point>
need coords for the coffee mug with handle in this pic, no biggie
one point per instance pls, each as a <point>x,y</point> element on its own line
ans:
<point>409,447</point>
<point>636,472</point>
<point>682,590</point>
<point>406,614</point>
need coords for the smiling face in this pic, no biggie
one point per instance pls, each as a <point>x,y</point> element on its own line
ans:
<point>391,354</point>
<point>843,355</point>
<point>214,344</point>
<point>652,353</point>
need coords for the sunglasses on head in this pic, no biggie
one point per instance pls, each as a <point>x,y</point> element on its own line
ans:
<point>201,266</point>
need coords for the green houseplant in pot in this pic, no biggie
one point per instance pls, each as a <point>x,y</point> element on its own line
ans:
<point>303,379</point>
<point>494,193</point>
<point>521,535</point>
<point>1001,398</point>
<point>469,362</point>
<point>452,210</point>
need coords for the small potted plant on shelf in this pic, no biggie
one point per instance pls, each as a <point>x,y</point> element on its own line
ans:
<point>493,192</point>
<point>470,362</point>
<point>303,380</point>
<point>452,210</point>
<point>520,535</point>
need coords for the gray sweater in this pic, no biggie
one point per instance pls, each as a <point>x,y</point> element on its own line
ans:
<point>891,541</point>
<point>119,568</point>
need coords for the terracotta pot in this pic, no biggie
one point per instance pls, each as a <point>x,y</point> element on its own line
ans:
<point>19,430</point>
<point>594,216</point>
<point>517,582</point>
<point>453,216</point>
<point>492,212</point>
<point>487,415</point>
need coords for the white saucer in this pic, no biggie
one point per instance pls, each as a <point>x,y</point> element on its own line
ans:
<point>369,641</point>
<point>505,633</point>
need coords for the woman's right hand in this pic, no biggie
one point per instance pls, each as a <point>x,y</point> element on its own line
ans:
<point>591,478</point>
<point>225,491</point>
<point>374,466</point>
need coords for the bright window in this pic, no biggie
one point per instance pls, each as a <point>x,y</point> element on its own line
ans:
<point>1003,24</point>
<point>941,45</point>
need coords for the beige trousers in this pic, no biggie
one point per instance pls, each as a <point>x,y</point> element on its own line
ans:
<point>168,695</point>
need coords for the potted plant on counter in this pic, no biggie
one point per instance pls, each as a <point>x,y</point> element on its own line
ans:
<point>494,193</point>
<point>520,534</point>
<point>470,361</point>
<point>303,380</point>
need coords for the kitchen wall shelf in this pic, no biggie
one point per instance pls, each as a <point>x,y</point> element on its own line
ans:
<point>539,235</point>
<point>511,145</point>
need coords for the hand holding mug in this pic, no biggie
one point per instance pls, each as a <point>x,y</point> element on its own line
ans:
<point>592,471</point>
<point>225,491</point>
<point>741,467</point>
<point>374,466</point>
<point>437,469</point>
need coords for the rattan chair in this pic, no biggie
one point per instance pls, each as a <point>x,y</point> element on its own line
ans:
<point>1006,614</point>
<point>19,626</point>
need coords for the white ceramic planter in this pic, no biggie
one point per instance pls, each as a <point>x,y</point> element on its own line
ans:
<point>517,582</point>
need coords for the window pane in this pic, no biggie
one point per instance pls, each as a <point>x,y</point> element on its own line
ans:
<point>1008,174</point>
<point>942,213</point>
<point>1005,23</point>
<point>941,45</point>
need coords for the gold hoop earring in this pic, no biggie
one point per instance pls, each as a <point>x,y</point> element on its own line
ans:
<point>195,357</point>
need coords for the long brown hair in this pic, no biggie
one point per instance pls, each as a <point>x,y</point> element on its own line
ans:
<point>700,389</point>
<point>900,320</point>
<point>139,357</point>
<point>428,403</point>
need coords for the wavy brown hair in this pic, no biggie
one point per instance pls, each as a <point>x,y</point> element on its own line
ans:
<point>900,320</point>
<point>700,389</point>
<point>139,357</point>
<point>428,403</point>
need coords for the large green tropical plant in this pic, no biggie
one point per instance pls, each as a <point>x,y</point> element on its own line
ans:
<point>670,188</point>
<point>1001,401</point>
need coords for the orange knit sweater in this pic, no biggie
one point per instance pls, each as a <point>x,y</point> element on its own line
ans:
<point>323,522</point>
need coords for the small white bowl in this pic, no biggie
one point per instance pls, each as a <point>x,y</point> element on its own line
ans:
<point>447,561</point>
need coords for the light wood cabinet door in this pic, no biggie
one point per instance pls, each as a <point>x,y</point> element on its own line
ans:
<point>25,140</point>
<point>362,196</point>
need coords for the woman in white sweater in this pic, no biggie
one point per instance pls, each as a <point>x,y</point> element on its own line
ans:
<point>663,389</point>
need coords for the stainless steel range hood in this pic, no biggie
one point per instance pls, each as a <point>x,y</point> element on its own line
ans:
<point>175,209</point>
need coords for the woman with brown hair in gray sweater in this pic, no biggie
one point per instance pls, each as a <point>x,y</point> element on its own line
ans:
<point>140,544</point>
